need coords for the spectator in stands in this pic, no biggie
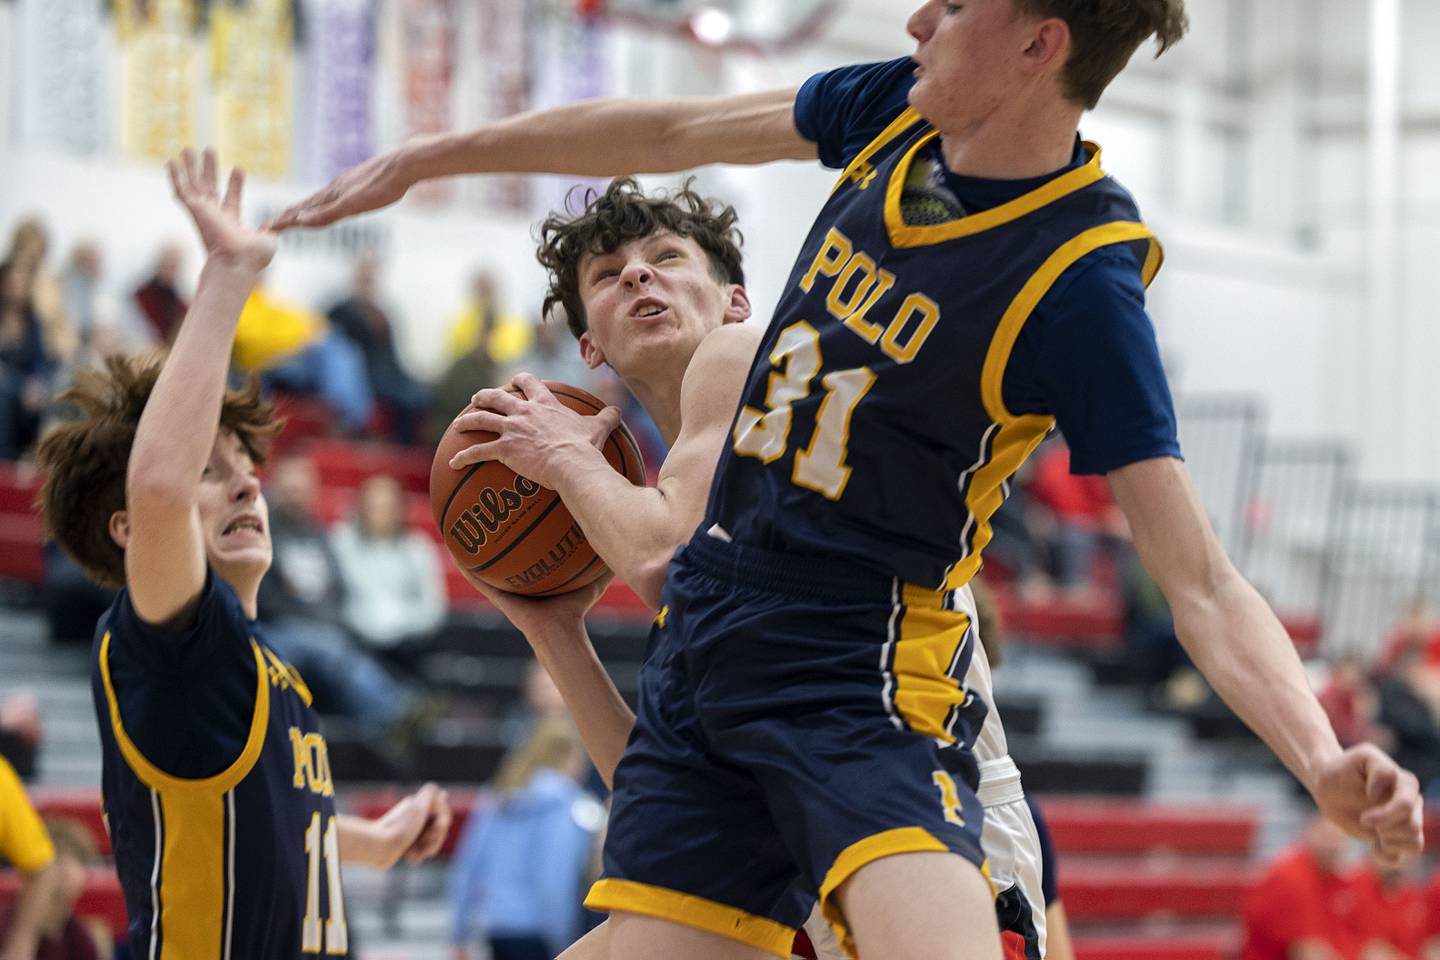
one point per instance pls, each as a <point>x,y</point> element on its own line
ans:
<point>540,701</point>
<point>1431,950</point>
<point>1410,710</point>
<point>1015,544</point>
<point>26,365</point>
<point>26,846</point>
<point>1417,630</point>
<point>158,300</point>
<point>1352,703</point>
<point>485,316</point>
<point>1389,914</point>
<point>554,355</point>
<point>72,601</point>
<point>295,349</point>
<point>471,371</point>
<point>1083,519</point>
<point>522,863</point>
<point>63,935</point>
<point>363,319</point>
<point>394,582</point>
<point>1303,907</point>
<point>1058,945</point>
<point>300,604</point>
<point>21,732</point>
<point>1152,649</point>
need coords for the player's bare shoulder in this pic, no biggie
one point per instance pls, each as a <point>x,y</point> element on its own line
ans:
<point>717,372</point>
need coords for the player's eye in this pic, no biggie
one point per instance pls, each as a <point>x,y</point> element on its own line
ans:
<point>667,255</point>
<point>953,8</point>
<point>604,275</point>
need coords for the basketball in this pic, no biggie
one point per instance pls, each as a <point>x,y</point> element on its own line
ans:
<point>509,531</point>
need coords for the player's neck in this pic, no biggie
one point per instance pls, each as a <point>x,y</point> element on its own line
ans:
<point>1015,144</point>
<point>247,590</point>
<point>661,399</point>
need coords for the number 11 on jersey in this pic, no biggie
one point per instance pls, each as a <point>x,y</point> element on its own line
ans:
<point>765,434</point>
<point>337,936</point>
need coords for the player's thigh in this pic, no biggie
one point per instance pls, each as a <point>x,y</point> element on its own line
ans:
<point>635,936</point>
<point>595,945</point>
<point>921,906</point>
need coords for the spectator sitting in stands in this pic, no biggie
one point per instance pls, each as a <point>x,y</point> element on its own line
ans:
<point>158,300</point>
<point>21,732</point>
<point>1083,519</point>
<point>363,319</point>
<point>1303,907</point>
<point>1015,543</point>
<point>1353,705</point>
<point>472,371</point>
<point>63,935</point>
<point>484,315</point>
<point>1417,630</point>
<point>523,860</point>
<point>26,365</point>
<point>300,604</point>
<point>1390,912</point>
<point>394,582</point>
<point>1410,709</point>
<point>555,356</point>
<point>26,846</point>
<point>296,350</point>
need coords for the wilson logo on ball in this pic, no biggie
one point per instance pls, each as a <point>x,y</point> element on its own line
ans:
<point>475,525</point>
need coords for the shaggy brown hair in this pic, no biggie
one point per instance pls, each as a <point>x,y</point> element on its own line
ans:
<point>87,459</point>
<point>624,213</point>
<point>1104,34</point>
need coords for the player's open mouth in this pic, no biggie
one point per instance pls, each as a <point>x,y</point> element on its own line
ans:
<point>647,309</point>
<point>245,524</point>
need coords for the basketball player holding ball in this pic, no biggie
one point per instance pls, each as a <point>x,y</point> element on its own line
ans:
<point>873,442</point>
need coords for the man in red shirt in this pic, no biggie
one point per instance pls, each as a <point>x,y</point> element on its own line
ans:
<point>1390,919</point>
<point>1304,908</point>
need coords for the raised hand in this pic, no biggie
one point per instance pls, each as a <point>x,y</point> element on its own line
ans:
<point>218,219</point>
<point>1371,797</point>
<point>376,183</point>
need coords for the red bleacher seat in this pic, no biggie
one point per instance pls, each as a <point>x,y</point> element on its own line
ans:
<point>101,897</point>
<point>20,555</point>
<point>1136,891</point>
<point>78,804</point>
<point>1218,946</point>
<point>1127,827</point>
<point>345,464</point>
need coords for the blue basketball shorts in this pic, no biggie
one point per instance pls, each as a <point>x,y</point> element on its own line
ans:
<point>797,720</point>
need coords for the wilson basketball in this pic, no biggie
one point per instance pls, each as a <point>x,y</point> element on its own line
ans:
<point>509,531</point>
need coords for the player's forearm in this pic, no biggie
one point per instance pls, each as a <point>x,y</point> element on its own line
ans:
<point>601,715</point>
<point>177,429</point>
<point>633,529</point>
<point>364,842</point>
<point>612,137</point>
<point>23,938</point>
<point>1237,642</point>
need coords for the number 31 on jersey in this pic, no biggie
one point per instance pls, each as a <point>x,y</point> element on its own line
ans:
<point>766,433</point>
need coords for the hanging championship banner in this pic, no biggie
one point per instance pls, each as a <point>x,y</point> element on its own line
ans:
<point>341,45</point>
<point>505,55</point>
<point>253,65</point>
<point>159,89</point>
<point>428,65</point>
<point>63,92</point>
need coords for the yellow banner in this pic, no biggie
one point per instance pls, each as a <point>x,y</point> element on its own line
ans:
<point>159,92</point>
<point>253,64</point>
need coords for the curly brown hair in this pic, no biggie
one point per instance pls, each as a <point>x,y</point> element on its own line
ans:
<point>1104,34</point>
<point>624,213</point>
<point>86,459</point>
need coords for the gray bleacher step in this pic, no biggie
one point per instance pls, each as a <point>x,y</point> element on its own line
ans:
<point>30,666</point>
<point>73,770</point>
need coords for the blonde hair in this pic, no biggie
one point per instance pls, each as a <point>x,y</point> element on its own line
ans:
<point>552,744</point>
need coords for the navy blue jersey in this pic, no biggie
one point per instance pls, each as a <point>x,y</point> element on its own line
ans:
<point>875,424</point>
<point>217,789</point>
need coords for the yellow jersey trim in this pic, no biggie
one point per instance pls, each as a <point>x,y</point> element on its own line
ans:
<point>192,870</point>
<point>905,235</point>
<point>925,691</point>
<point>1003,342</point>
<point>157,779</point>
<point>867,851</point>
<point>23,840</point>
<point>859,169</point>
<point>761,933</point>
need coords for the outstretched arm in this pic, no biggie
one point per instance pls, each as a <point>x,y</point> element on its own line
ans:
<point>555,630</point>
<point>1240,646</point>
<point>165,555</point>
<point>593,138</point>
<point>415,828</point>
<point>633,529</point>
